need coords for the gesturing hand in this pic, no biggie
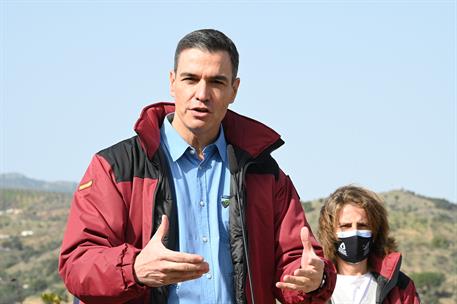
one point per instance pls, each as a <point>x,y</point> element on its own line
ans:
<point>156,265</point>
<point>309,276</point>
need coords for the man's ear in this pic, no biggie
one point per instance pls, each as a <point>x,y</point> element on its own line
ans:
<point>235,86</point>
<point>172,83</point>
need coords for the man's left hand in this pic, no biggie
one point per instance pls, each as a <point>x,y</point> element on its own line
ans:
<point>309,277</point>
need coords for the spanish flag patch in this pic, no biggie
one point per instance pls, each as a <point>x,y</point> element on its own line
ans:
<point>86,185</point>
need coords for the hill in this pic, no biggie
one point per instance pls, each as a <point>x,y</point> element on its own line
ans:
<point>31,230</point>
<point>20,181</point>
<point>32,225</point>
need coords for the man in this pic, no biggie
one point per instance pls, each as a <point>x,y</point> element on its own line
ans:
<point>193,209</point>
<point>354,232</point>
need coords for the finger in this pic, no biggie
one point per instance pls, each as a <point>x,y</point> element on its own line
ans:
<point>290,286</point>
<point>315,263</point>
<point>183,268</point>
<point>167,279</point>
<point>305,239</point>
<point>182,257</point>
<point>162,230</point>
<point>305,272</point>
<point>308,251</point>
<point>297,280</point>
<point>173,279</point>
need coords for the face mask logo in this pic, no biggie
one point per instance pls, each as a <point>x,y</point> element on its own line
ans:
<point>342,249</point>
<point>353,246</point>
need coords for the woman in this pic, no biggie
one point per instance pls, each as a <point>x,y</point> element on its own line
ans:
<point>354,233</point>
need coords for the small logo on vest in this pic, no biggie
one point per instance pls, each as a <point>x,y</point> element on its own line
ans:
<point>225,200</point>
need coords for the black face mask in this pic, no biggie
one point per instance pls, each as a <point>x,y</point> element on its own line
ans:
<point>353,246</point>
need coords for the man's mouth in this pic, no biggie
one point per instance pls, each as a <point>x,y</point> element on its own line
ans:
<point>200,110</point>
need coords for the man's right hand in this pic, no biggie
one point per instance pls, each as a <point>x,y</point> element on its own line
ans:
<point>156,265</point>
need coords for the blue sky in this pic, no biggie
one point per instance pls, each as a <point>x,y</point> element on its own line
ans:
<point>361,91</point>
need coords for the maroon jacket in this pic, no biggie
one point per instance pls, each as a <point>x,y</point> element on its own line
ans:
<point>394,287</point>
<point>127,188</point>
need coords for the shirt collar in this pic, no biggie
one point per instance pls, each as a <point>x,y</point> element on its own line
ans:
<point>177,146</point>
<point>221,144</point>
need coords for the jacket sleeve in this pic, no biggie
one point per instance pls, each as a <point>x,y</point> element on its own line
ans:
<point>289,219</point>
<point>95,263</point>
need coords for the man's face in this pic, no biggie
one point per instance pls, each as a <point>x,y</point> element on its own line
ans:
<point>203,89</point>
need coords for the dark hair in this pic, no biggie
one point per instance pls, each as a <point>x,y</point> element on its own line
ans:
<point>209,40</point>
<point>373,205</point>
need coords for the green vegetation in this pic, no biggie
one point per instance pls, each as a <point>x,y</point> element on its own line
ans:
<point>51,298</point>
<point>429,285</point>
<point>31,230</point>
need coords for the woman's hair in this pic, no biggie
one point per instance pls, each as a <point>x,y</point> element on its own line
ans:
<point>373,205</point>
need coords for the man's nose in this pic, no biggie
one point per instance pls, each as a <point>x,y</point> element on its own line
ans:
<point>202,91</point>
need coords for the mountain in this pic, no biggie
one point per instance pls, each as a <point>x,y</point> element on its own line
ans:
<point>32,224</point>
<point>20,181</point>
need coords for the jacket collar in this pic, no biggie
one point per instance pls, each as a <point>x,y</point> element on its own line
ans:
<point>245,133</point>
<point>386,266</point>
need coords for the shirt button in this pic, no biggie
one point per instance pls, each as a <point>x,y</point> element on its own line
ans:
<point>209,276</point>
<point>204,239</point>
<point>202,204</point>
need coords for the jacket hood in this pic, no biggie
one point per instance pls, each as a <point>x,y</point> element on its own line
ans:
<point>245,133</point>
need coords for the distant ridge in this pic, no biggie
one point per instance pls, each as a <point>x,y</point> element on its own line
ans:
<point>20,181</point>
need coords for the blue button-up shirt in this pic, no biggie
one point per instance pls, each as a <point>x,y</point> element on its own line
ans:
<point>202,187</point>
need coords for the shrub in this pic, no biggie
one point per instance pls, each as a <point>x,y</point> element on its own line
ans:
<point>428,285</point>
<point>13,243</point>
<point>440,242</point>
<point>51,298</point>
<point>428,279</point>
<point>307,207</point>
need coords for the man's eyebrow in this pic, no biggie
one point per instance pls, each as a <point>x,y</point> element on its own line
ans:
<point>185,74</point>
<point>219,77</point>
<point>216,77</point>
